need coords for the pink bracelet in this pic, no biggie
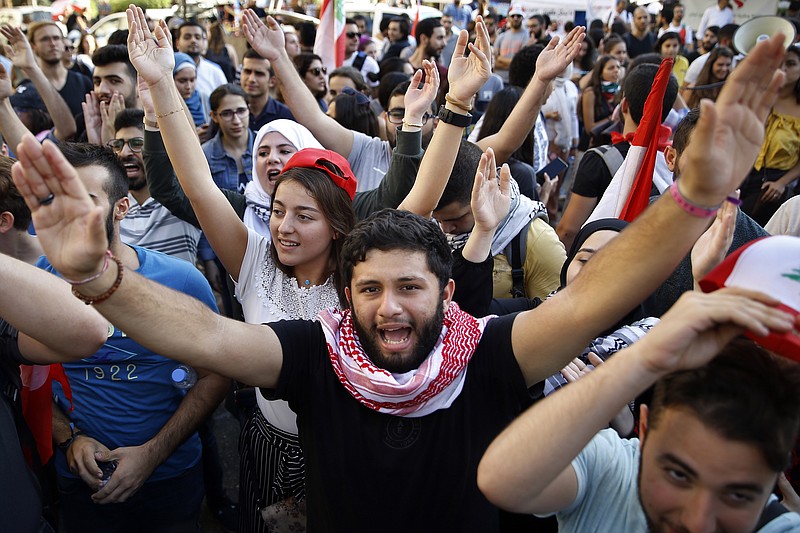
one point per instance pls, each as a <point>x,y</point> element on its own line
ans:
<point>95,276</point>
<point>689,206</point>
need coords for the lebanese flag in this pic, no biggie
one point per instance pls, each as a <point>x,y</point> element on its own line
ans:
<point>628,194</point>
<point>329,44</point>
<point>37,403</point>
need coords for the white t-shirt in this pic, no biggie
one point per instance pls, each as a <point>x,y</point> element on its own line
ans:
<point>268,295</point>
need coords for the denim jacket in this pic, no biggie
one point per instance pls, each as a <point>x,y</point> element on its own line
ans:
<point>223,167</point>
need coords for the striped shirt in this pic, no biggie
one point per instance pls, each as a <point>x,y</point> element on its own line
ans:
<point>150,225</point>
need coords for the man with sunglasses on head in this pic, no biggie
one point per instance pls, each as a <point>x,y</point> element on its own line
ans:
<point>353,58</point>
<point>510,41</point>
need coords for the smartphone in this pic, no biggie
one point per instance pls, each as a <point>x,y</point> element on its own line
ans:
<point>553,169</point>
<point>107,467</point>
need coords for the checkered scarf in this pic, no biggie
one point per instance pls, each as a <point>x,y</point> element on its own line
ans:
<point>434,385</point>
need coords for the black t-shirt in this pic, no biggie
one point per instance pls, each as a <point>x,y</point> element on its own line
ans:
<point>592,177</point>
<point>367,471</point>
<point>75,90</point>
<point>20,501</point>
<point>637,47</point>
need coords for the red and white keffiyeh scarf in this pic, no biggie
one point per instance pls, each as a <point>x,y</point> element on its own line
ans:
<point>434,385</point>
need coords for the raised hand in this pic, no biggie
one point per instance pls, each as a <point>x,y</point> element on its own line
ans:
<point>418,99</point>
<point>713,245</point>
<point>730,131</point>
<point>266,39</point>
<point>71,229</point>
<point>92,118</point>
<point>108,114</point>
<point>145,97</point>
<point>21,53</point>
<point>151,53</point>
<point>559,54</point>
<point>699,325</point>
<point>467,74</point>
<point>491,198</point>
<point>6,90</point>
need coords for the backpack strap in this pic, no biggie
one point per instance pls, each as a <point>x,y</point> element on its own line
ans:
<point>359,61</point>
<point>611,156</point>
<point>516,251</point>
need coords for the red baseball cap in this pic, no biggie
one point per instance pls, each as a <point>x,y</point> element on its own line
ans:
<point>311,157</point>
<point>770,265</point>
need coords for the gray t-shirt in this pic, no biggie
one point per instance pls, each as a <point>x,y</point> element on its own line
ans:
<point>369,158</point>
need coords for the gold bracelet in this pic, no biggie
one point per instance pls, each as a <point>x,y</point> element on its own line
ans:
<point>410,125</point>
<point>91,300</point>
<point>150,123</point>
<point>170,113</point>
<point>458,103</point>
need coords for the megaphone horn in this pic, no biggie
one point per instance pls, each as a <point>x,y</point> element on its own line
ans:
<point>759,29</point>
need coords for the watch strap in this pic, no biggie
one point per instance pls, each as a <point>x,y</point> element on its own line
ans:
<point>455,119</point>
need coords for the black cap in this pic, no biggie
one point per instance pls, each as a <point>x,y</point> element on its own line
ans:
<point>27,97</point>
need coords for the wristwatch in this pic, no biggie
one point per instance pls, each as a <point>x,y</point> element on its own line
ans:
<point>456,119</point>
<point>64,445</point>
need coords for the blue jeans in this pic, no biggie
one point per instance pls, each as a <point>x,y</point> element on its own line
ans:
<point>167,506</point>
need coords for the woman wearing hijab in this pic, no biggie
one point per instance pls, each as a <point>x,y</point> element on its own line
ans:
<point>185,76</point>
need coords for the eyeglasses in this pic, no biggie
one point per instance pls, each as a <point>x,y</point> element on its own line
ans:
<point>316,71</point>
<point>227,114</point>
<point>353,34</point>
<point>397,115</point>
<point>135,144</point>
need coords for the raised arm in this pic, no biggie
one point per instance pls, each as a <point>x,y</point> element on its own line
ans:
<point>11,127</point>
<point>729,136</point>
<point>467,74</point>
<point>557,55</point>
<point>268,40</point>
<point>22,56</point>
<point>71,230</point>
<point>53,325</point>
<point>514,477</point>
<point>154,60</point>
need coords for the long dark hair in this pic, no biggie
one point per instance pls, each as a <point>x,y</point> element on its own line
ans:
<point>335,205</point>
<point>794,49</point>
<point>707,77</point>
<point>497,113</point>
<point>596,81</point>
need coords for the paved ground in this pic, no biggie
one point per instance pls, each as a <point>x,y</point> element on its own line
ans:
<point>226,429</point>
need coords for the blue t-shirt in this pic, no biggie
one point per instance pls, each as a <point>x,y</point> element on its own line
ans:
<point>123,394</point>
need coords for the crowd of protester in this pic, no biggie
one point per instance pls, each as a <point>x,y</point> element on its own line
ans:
<point>397,274</point>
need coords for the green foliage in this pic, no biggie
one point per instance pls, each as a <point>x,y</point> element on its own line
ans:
<point>122,5</point>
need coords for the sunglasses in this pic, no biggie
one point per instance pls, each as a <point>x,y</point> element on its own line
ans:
<point>228,114</point>
<point>353,34</point>
<point>397,115</point>
<point>135,144</point>
<point>316,71</point>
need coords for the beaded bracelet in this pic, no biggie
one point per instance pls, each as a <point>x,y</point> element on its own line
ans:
<point>93,277</point>
<point>689,206</point>
<point>91,300</point>
<point>170,113</point>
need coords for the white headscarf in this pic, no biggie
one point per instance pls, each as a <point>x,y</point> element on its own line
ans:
<point>259,203</point>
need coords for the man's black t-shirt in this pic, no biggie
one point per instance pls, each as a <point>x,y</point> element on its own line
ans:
<point>637,47</point>
<point>593,177</point>
<point>367,471</point>
<point>74,92</point>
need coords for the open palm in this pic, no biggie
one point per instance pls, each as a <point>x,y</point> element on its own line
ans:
<point>71,228</point>
<point>467,74</point>
<point>266,39</point>
<point>153,59</point>
<point>559,54</point>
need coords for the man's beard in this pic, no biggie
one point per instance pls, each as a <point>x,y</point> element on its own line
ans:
<point>431,53</point>
<point>428,334</point>
<point>140,182</point>
<point>110,225</point>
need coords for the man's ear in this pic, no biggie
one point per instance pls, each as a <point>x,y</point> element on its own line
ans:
<point>671,156</point>
<point>624,107</point>
<point>348,296</point>
<point>121,208</point>
<point>447,294</point>
<point>6,222</point>
<point>644,411</point>
<point>273,82</point>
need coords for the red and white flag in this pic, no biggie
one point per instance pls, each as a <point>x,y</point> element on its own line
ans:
<point>644,166</point>
<point>329,44</point>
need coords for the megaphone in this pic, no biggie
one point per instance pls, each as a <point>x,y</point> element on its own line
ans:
<point>759,29</point>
